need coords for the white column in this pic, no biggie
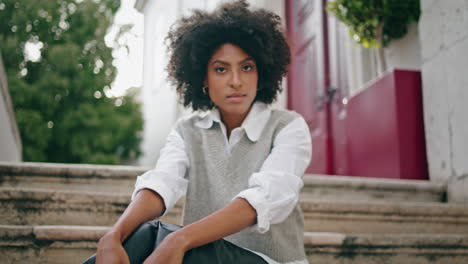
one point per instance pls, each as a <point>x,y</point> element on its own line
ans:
<point>443,29</point>
<point>159,99</point>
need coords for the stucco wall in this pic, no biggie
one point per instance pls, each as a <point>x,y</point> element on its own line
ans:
<point>405,53</point>
<point>159,100</point>
<point>443,32</point>
<point>10,142</point>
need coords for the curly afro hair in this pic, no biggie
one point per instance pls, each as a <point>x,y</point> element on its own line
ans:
<point>192,41</point>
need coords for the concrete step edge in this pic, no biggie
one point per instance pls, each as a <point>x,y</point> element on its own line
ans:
<point>130,172</point>
<point>385,240</point>
<point>36,194</point>
<point>386,208</point>
<point>53,232</point>
<point>93,233</point>
<point>309,205</point>
<point>70,170</point>
<point>363,183</point>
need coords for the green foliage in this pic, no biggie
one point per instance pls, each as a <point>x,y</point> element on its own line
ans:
<point>376,22</point>
<point>60,106</point>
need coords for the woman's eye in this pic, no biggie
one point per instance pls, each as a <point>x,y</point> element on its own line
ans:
<point>220,69</point>
<point>247,68</point>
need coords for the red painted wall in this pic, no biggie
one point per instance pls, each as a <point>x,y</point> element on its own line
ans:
<point>385,129</point>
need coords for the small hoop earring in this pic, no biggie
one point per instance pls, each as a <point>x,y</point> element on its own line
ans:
<point>204,90</point>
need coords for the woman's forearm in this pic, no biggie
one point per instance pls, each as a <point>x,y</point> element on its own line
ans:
<point>146,206</point>
<point>231,219</point>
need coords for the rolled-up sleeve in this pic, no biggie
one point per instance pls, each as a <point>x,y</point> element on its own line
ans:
<point>274,191</point>
<point>168,177</point>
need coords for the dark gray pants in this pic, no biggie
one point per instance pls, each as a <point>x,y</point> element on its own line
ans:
<point>147,237</point>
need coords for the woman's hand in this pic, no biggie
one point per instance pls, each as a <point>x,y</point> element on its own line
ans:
<point>170,251</point>
<point>110,250</point>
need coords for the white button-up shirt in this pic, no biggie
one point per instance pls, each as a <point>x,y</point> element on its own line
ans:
<point>273,191</point>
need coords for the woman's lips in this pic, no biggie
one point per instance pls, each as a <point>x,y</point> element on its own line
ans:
<point>236,98</point>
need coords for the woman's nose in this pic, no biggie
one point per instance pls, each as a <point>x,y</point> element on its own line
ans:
<point>236,80</point>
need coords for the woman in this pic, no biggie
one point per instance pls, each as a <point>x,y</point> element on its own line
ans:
<point>239,163</point>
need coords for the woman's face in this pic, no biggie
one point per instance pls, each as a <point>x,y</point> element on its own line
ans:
<point>232,80</point>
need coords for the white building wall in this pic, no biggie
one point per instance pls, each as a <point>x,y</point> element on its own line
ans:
<point>9,149</point>
<point>160,105</point>
<point>159,100</point>
<point>10,141</point>
<point>404,53</point>
<point>444,40</point>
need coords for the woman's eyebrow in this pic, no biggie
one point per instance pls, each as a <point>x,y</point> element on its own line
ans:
<point>227,63</point>
<point>247,59</point>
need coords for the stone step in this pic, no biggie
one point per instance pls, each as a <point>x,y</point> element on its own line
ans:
<point>42,207</point>
<point>342,248</point>
<point>22,206</point>
<point>120,179</point>
<point>48,244</point>
<point>72,177</point>
<point>372,189</point>
<point>53,244</point>
<point>384,217</point>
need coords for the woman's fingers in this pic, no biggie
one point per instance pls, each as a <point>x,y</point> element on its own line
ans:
<point>169,251</point>
<point>110,250</point>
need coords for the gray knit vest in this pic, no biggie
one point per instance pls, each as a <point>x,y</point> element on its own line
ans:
<point>215,177</point>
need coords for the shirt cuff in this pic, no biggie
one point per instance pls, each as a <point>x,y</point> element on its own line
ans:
<point>263,218</point>
<point>272,200</point>
<point>156,182</point>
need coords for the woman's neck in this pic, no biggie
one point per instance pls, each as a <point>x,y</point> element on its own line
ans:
<point>232,121</point>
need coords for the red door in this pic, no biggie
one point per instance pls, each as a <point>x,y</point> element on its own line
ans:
<point>379,133</point>
<point>338,96</point>
<point>307,81</point>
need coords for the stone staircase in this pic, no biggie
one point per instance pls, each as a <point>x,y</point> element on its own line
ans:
<point>55,213</point>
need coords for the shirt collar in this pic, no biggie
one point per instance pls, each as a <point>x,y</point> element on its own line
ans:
<point>253,124</point>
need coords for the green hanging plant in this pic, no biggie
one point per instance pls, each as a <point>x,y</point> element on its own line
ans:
<point>374,23</point>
